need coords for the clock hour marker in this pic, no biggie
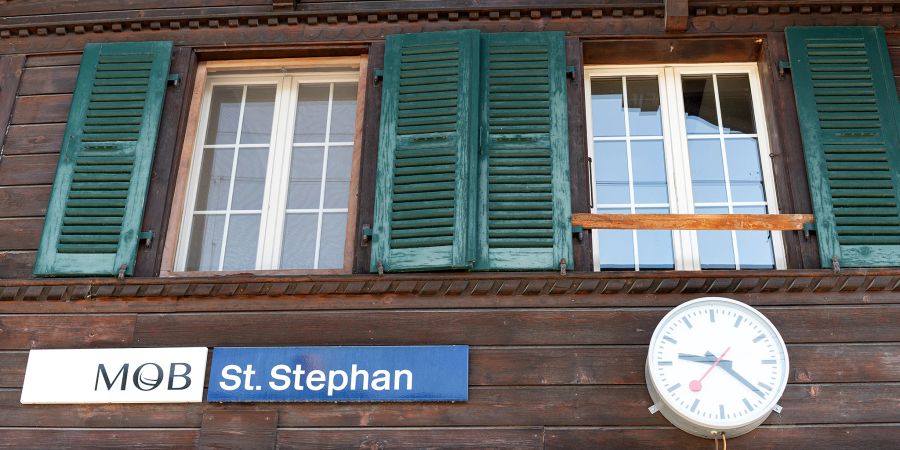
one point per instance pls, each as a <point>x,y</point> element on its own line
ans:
<point>764,386</point>
<point>674,386</point>
<point>712,316</point>
<point>768,361</point>
<point>687,322</point>
<point>666,338</point>
<point>721,411</point>
<point>665,363</point>
<point>759,338</point>
<point>749,406</point>
<point>737,322</point>
<point>694,406</point>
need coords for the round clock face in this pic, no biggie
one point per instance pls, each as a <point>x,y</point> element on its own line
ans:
<point>717,363</point>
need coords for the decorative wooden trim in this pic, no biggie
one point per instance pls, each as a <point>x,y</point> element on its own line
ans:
<point>693,221</point>
<point>184,166</point>
<point>676,15</point>
<point>860,285</point>
<point>394,14</point>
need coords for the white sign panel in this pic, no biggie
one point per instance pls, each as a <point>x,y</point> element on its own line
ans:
<point>121,375</point>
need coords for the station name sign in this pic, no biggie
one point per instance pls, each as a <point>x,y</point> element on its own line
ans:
<point>122,375</point>
<point>334,374</point>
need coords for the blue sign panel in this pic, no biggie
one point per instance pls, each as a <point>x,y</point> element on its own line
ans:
<point>339,374</point>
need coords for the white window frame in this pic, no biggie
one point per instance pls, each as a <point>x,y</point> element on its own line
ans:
<point>278,165</point>
<point>675,143</point>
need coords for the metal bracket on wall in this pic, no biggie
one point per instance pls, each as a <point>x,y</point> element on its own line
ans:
<point>570,72</point>
<point>783,66</point>
<point>366,235</point>
<point>578,232</point>
<point>174,79</point>
<point>808,228</point>
<point>147,237</point>
<point>377,76</point>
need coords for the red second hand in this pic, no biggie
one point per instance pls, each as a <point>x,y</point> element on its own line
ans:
<point>696,385</point>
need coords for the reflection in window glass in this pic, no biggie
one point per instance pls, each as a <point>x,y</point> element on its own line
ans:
<point>319,188</point>
<point>232,224</point>
<point>630,170</point>
<point>709,164</point>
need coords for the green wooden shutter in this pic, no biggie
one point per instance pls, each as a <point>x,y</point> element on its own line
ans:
<point>97,203</point>
<point>524,207</point>
<point>426,164</point>
<point>849,115</point>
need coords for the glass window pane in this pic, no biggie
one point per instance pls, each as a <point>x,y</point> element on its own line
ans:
<point>655,250</point>
<point>755,248</point>
<point>343,113</point>
<point>611,171</point>
<point>334,232</point>
<point>744,170</point>
<point>214,180</point>
<point>607,112</point>
<point>306,177</point>
<point>699,104</point>
<point>205,242</point>
<point>736,103</point>
<point>298,250</point>
<point>250,178</point>
<point>224,111</point>
<point>649,167</point>
<point>337,177</point>
<point>616,246</point>
<point>644,117</point>
<point>243,235</point>
<point>707,171</point>
<point>716,251</point>
<point>312,111</point>
<point>259,113</point>
<point>616,249</point>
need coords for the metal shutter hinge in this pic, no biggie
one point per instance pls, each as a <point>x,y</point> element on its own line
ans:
<point>122,270</point>
<point>578,232</point>
<point>783,66</point>
<point>570,72</point>
<point>808,228</point>
<point>377,76</point>
<point>174,79</point>
<point>366,235</point>
<point>562,266</point>
<point>147,237</point>
<point>380,267</point>
<point>835,264</point>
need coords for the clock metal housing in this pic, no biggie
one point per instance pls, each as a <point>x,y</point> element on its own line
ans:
<point>716,365</point>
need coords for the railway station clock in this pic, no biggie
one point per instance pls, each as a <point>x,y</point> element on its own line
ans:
<point>715,366</point>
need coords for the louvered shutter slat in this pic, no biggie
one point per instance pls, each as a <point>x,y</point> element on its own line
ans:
<point>848,109</point>
<point>97,203</point>
<point>525,199</point>
<point>426,160</point>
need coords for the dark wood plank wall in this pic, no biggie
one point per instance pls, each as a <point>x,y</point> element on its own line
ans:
<point>546,371</point>
<point>540,377</point>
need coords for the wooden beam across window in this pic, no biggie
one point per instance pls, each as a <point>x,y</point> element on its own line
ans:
<point>693,221</point>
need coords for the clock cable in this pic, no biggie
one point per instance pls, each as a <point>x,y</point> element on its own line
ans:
<point>724,442</point>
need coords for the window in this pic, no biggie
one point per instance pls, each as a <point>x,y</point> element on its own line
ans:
<point>271,172</point>
<point>692,140</point>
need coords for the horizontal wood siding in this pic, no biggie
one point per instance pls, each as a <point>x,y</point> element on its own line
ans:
<point>30,153</point>
<point>558,377</point>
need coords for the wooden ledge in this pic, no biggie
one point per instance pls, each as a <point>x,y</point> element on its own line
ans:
<point>693,221</point>
<point>463,285</point>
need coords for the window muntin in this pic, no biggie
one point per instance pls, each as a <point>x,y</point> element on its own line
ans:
<point>270,180</point>
<point>712,139</point>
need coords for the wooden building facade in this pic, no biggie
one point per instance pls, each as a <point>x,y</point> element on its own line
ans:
<point>557,345</point>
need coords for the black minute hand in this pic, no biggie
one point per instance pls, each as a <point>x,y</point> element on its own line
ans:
<point>726,365</point>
